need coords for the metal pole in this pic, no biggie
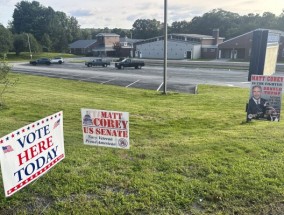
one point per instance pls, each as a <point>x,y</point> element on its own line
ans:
<point>29,46</point>
<point>165,46</point>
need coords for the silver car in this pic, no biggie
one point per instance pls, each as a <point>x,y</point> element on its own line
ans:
<point>58,60</point>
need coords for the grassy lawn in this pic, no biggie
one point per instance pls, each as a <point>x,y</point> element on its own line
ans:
<point>189,154</point>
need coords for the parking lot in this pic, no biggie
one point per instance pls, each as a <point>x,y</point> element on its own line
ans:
<point>149,77</point>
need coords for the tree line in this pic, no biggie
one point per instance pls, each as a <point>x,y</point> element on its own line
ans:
<point>229,24</point>
<point>47,30</point>
<point>38,28</point>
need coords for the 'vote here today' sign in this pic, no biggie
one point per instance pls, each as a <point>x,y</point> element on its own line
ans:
<point>29,152</point>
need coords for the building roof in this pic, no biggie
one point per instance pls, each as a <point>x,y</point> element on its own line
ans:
<point>250,32</point>
<point>81,44</point>
<point>192,38</point>
<point>199,36</point>
<point>107,35</point>
<point>128,40</point>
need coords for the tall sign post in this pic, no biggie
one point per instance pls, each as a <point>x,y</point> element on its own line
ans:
<point>265,44</point>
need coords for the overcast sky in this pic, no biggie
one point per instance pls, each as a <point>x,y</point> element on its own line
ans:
<point>123,13</point>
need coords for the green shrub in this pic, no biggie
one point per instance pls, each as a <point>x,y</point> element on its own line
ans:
<point>5,82</point>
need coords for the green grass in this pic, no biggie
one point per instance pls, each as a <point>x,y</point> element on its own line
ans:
<point>189,154</point>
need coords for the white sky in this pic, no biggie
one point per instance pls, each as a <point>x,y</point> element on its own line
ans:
<point>123,13</point>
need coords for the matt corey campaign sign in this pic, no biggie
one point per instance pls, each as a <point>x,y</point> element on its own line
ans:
<point>29,152</point>
<point>265,98</point>
<point>105,128</point>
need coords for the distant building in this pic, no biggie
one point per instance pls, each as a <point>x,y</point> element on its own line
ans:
<point>104,45</point>
<point>127,46</point>
<point>239,47</point>
<point>82,47</point>
<point>180,46</point>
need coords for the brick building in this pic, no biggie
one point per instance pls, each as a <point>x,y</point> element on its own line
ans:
<point>239,48</point>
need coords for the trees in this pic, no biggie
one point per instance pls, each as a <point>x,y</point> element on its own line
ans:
<point>6,39</point>
<point>54,29</point>
<point>21,43</point>
<point>86,34</point>
<point>280,21</point>
<point>46,42</point>
<point>31,17</point>
<point>230,24</point>
<point>227,22</point>
<point>59,32</point>
<point>117,48</point>
<point>146,28</point>
<point>121,32</point>
<point>34,44</point>
<point>180,27</point>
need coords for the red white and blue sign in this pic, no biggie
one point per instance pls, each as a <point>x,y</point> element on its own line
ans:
<point>29,152</point>
<point>105,128</point>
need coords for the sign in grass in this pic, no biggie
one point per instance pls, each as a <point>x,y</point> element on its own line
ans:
<point>105,128</point>
<point>265,98</point>
<point>29,152</point>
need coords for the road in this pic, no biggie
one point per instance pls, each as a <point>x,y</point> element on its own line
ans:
<point>179,79</point>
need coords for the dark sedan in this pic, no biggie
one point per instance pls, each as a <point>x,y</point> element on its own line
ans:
<point>45,61</point>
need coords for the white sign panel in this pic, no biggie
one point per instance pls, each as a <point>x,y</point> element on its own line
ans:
<point>29,152</point>
<point>105,128</point>
<point>273,38</point>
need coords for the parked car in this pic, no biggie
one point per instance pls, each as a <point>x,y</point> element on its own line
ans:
<point>98,62</point>
<point>45,61</point>
<point>128,62</point>
<point>58,60</point>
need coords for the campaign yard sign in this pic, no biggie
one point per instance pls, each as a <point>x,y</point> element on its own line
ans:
<point>105,128</point>
<point>29,152</point>
<point>265,98</point>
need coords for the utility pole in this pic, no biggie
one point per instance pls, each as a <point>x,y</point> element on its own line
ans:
<point>29,46</point>
<point>165,46</point>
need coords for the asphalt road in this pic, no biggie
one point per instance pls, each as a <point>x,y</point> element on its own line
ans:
<point>179,79</point>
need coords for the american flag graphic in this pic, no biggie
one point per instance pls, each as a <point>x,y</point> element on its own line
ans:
<point>7,149</point>
<point>56,124</point>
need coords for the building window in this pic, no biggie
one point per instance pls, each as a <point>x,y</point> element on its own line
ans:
<point>205,50</point>
<point>283,52</point>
